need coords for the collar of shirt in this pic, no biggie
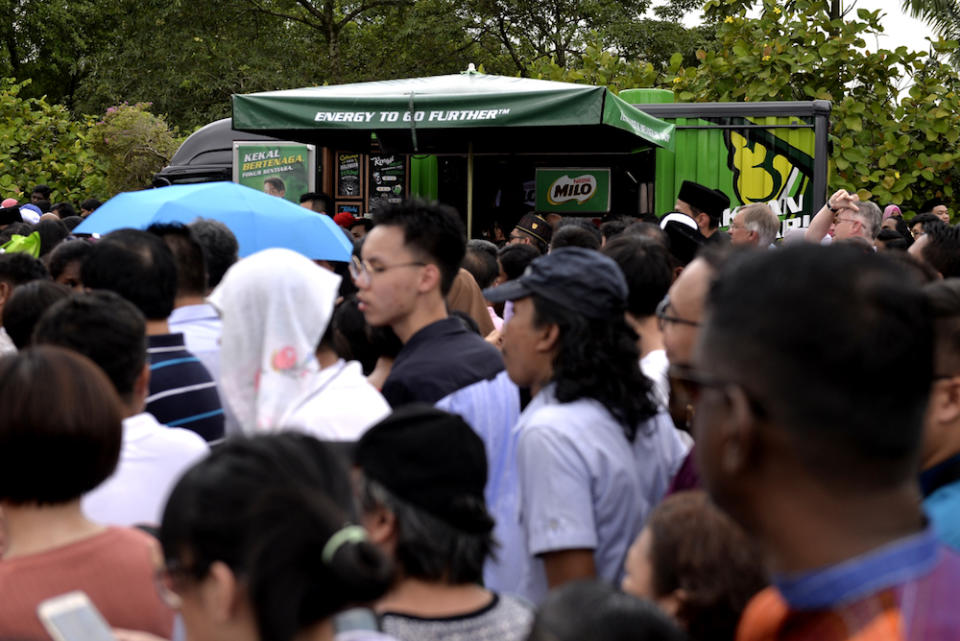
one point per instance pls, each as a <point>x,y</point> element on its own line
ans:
<point>187,313</point>
<point>943,473</point>
<point>892,564</point>
<point>445,327</point>
<point>140,425</point>
<point>165,340</point>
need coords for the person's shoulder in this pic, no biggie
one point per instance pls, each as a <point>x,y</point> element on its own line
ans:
<point>178,439</point>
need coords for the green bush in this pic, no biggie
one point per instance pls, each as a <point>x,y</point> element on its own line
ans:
<point>133,144</point>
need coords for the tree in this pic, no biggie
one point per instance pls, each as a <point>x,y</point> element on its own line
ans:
<point>41,143</point>
<point>133,145</point>
<point>891,149</point>
<point>942,15</point>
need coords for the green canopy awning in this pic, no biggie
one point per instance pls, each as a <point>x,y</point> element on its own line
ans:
<point>453,114</point>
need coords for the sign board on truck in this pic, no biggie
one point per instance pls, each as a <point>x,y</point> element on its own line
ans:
<point>260,164</point>
<point>573,190</point>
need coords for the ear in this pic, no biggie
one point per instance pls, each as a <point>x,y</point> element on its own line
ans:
<point>738,433</point>
<point>141,386</point>
<point>5,290</point>
<point>676,273</point>
<point>672,602</point>
<point>430,278</point>
<point>944,405</point>
<point>548,337</point>
<point>381,526</point>
<point>221,593</point>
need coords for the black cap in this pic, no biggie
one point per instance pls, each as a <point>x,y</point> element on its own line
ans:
<point>10,215</point>
<point>712,202</point>
<point>537,227</point>
<point>684,235</point>
<point>930,204</point>
<point>433,460</point>
<point>581,280</point>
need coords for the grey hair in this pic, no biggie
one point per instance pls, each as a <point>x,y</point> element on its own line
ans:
<point>759,218</point>
<point>871,216</point>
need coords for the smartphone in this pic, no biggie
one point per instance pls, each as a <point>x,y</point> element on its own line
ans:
<point>72,617</point>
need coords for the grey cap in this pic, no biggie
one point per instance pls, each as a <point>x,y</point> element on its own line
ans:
<point>581,280</point>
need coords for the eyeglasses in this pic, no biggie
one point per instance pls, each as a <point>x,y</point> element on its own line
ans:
<point>362,270</point>
<point>663,317</point>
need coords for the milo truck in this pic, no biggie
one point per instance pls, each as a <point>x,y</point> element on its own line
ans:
<point>770,152</point>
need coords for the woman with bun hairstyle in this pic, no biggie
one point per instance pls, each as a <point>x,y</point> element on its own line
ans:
<point>258,543</point>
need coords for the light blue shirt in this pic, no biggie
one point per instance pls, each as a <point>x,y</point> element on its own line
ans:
<point>492,408</point>
<point>583,485</point>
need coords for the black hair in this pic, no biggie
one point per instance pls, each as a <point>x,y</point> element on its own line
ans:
<point>20,228</point>
<point>43,205</point>
<point>613,228</point>
<point>323,198</point>
<point>892,239</point>
<point>427,547</point>
<point>52,233</point>
<point>277,183</point>
<point>514,259</point>
<point>138,266</point>
<point>598,360</point>
<point>72,221</point>
<point>597,611</point>
<point>347,335</point>
<point>188,254</point>
<point>104,327</point>
<point>574,236</point>
<point>60,426</point>
<point>219,245</point>
<point>649,230</point>
<point>64,209</point>
<point>481,261</point>
<point>944,298</point>
<point>66,252</point>
<point>942,249</point>
<point>90,204</point>
<point>432,230</point>
<point>25,307</point>
<point>646,265</point>
<point>18,268</point>
<point>43,190</point>
<point>924,219</point>
<point>268,507</point>
<point>791,342</point>
<point>366,223</point>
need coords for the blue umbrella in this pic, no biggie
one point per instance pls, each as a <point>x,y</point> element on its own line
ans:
<point>258,220</point>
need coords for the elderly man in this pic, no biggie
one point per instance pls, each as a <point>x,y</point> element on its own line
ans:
<point>532,230</point>
<point>754,226</point>
<point>798,442</point>
<point>846,217</point>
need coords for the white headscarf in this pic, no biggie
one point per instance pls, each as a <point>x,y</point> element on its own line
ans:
<point>275,306</point>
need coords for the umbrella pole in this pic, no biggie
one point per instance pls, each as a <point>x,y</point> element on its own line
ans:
<point>469,190</point>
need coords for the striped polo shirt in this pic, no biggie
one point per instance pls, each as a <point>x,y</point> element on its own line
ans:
<point>182,392</point>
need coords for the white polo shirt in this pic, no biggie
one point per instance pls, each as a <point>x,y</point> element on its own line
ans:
<point>152,459</point>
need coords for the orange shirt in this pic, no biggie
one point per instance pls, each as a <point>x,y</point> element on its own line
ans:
<point>115,568</point>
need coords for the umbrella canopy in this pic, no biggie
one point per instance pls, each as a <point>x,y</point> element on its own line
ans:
<point>258,220</point>
<point>455,114</point>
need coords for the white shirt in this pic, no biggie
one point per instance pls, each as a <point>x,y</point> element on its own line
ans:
<point>152,459</point>
<point>341,406</point>
<point>655,366</point>
<point>583,485</point>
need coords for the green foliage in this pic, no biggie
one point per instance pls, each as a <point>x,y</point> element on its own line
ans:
<point>133,144</point>
<point>42,143</point>
<point>890,149</point>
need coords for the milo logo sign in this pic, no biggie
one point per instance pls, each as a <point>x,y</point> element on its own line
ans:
<point>574,190</point>
<point>565,188</point>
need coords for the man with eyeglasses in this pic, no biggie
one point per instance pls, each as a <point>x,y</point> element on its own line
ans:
<point>532,230</point>
<point>409,261</point>
<point>845,217</point>
<point>815,459</point>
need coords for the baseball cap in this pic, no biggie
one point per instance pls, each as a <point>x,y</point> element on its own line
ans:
<point>581,280</point>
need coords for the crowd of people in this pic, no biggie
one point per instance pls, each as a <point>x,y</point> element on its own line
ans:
<point>641,429</point>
